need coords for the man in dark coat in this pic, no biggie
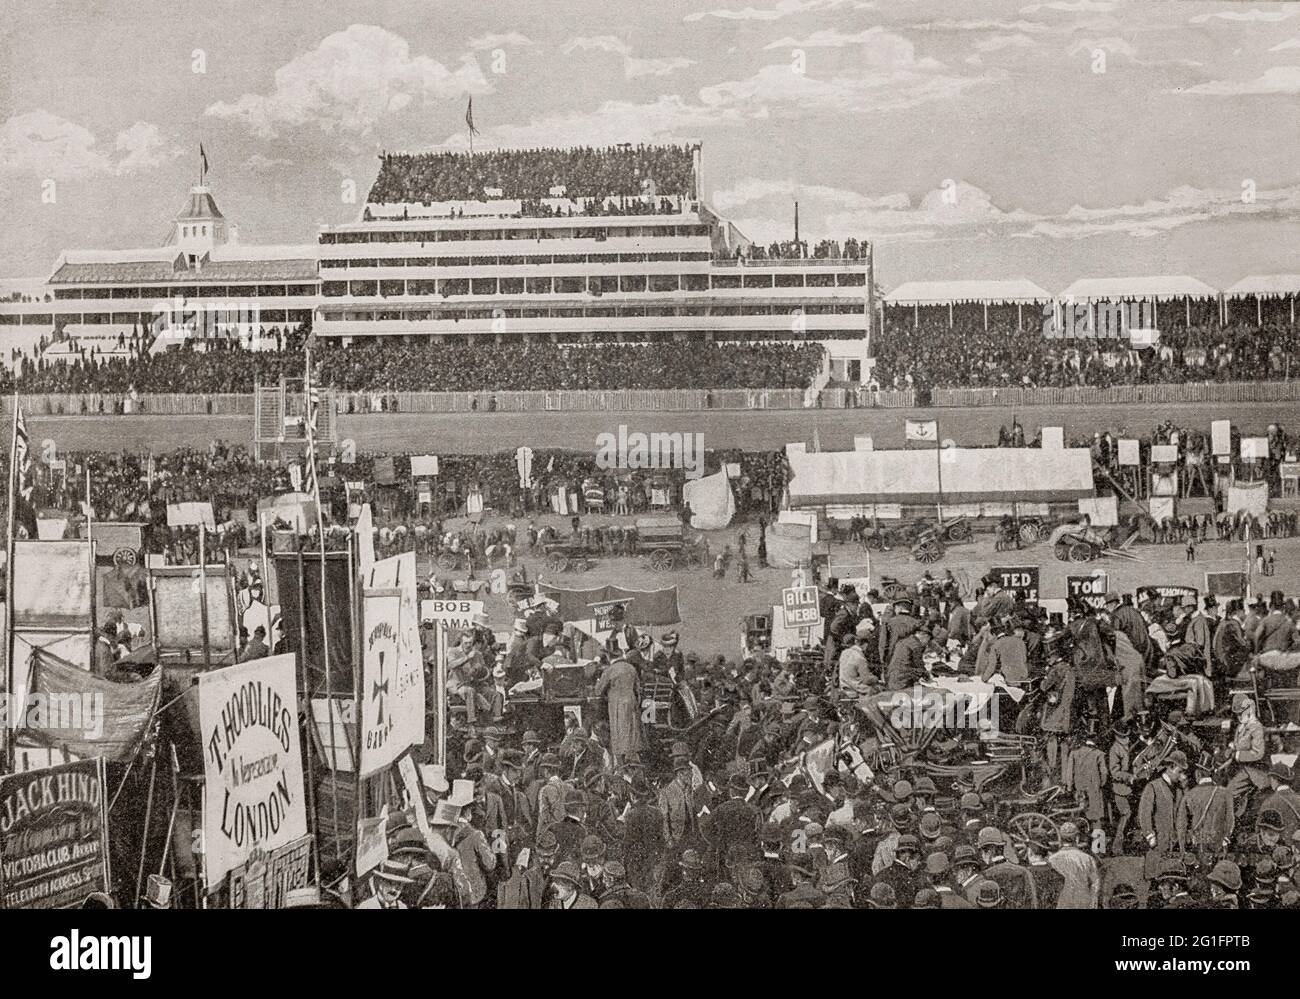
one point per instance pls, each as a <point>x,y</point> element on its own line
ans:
<point>1158,810</point>
<point>735,824</point>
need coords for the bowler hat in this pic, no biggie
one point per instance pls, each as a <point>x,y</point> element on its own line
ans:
<point>937,863</point>
<point>568,873</point>
<point>988,894</point>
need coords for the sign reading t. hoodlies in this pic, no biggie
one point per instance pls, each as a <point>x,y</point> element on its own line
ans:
<point>392,664</point>
<point>53,836</point>
<point>1023,578</point>
<point>1090,589</point>
<point>253,797</point>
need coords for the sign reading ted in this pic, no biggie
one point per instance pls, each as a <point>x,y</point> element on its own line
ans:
<point>1023,578</point>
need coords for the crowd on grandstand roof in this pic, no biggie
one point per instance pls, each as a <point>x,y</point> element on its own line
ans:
<point>583,172</point>
<point>825,249</point>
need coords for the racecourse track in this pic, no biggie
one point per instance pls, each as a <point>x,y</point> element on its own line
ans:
<point>477,433</point>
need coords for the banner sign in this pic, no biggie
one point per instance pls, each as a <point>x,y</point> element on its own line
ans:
<point>1090,589</point>
<point>609,614</point>
<point>1254,449</point>
<point>1019,577</point>
<point>1128,452</point>
<point>457,613</point>
<point>253,798</point>
<point>1174,594</point>
<point>1226,584</point>
<point>800,607</point>
<point>191,515</point>
<point>392,665</point>
<point>53,836</point>
<point>424,466</point>
<point>264,881</point>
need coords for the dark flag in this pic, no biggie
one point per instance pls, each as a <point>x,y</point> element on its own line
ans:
<point>204,157</point>
<point>469,117</point>
<point>24,514</point>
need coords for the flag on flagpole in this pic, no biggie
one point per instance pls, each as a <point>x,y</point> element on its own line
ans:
<point>925,431</point>
<point>311,402</point>
<point>469,117</point>
<point>203,156</point>
<point>24,512</point>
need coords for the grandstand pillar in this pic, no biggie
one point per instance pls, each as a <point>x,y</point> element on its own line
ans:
<point>949,315</point>
<point>1259,311</point>
<point>1020,316</point>
<point>986,316</point>
<point>1187,303</point>
<point>916,316</point>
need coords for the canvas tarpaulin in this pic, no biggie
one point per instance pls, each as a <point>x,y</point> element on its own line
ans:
<point>179,610</point>
<point>789,545</point>
<point>969,475</point>
<point>339,618</point>
<point>645,607</point>
<point>84,714</point>
<point>1251,497</point>
<point>712,505</point>
<point>52,585</point>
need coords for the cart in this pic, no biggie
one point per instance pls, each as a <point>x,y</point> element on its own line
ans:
<point>568,556</point>
<point>929,547</point>
<point>662,542</point>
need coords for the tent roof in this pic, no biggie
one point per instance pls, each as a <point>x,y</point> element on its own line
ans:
<point>1265,284</point>
<point>969,475</point>
<point>1161,286</point>
<point>943,292</point>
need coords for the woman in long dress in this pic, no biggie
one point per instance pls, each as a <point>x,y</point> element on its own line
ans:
<point>621,687</point>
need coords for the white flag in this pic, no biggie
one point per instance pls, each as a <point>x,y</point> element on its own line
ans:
<point>922,430</point>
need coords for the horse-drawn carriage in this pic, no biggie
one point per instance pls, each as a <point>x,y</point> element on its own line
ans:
<point>1080,543</point>
<point>662,542</point>
<point>568,556</point>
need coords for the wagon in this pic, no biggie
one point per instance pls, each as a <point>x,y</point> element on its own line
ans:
<point>662,542</point>
<point>929,547</point>
<point>568,556</point>
<point>1077,548</point>
<point>954,529</point>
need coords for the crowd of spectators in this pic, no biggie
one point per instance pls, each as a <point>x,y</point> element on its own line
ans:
<point>933,354</point>
<point>825,249</point>
<point>437,366</point>
<point>582,172</point>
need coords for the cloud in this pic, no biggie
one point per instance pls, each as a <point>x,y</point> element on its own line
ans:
<point>783,8</point>
<point>960,210</point>
<point>1244,16</point>
<point>1276,80</point>
<point>348,82</point>
<point>48,145</point>
<point>510,39</point>
<point>633,67</point>
<point>1290,43</point>
<point>879,47</point>
<point>1075,7</point>
<point>258,162</point>
<point>1025,27</point>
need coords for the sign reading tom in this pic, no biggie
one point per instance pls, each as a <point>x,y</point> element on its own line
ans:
<point>253,799</point>
<point>53,836</point>
<point>1020,578</point>
<point>1090,590</point>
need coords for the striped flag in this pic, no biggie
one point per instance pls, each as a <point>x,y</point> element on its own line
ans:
<point>469,117</point>
<point>311,400</point>
<point>24,513</point>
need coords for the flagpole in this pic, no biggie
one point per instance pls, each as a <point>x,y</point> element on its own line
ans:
<point>10,717</point>
<point>938,466</point>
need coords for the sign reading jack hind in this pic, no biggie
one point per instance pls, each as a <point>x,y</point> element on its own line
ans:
<point>392,665</point>
<point>53,836</point>
<point>253,797</point>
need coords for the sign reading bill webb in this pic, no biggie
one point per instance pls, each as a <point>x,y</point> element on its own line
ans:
<point>252,762</point>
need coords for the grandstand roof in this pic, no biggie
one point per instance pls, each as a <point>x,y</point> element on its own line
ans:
<point>1266,285</point>
<point>943,292</point>
<point>1159,287</point>
<point>174,270</point>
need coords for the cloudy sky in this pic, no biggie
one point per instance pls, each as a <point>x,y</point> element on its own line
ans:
<point>1048,139</point>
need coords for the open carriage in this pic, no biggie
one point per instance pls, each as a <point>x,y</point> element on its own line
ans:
<point>662,543</point>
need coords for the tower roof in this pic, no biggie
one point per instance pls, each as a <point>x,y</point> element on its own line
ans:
<point>200,206</point>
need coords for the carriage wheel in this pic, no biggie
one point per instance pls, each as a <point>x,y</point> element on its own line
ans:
<point>1034,826</point>
<point>124,557</point>
<point>661,561</point>
<point>895,591</point>
<point>1081,552</point>
<point>1062,551</point>
<point>1029,533</point>
<point>556,562</point>
<point>928,552</point>
<point>447,562</point>
<point>874,542</point>
<point>959,532</point>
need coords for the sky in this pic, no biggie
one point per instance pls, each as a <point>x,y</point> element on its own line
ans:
<point>1049,139</point>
